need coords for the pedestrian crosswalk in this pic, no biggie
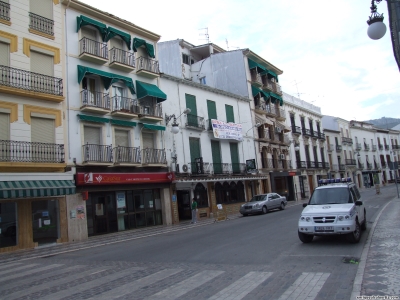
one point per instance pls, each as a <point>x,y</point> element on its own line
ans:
<point>119,281</point>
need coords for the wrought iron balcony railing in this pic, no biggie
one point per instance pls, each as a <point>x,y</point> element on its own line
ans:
<point>376,165</point>
<point>296,129</point>
<point>387,147</point>
<point>30,81</point>
<point>41,24</point>
<point>122,57</point>
<point>97,153</point>
<point>347,141</point>
<point>198,168</point>
<point>350,162</point>
<point>256,78</point>
<point>270,109</point>
<point>276,164</point>
<point>153,111</point>
<point>88,46</point>
<point>17,151</point>
<point>325,165</point>
<point>280,112</point>
<point>124,104</point>
<point>366,147</point>
<point>95,99</point>
<point>321,135</point>
<point>4,11</point>
<point>221,168</point>
<point>369,166</point>
<point>306,131</point>
<point>395,147</point>
<point>310,164</point>
<point>342,167</point>
<point>383,164</point>
<point>331,147</point>
<point>339,148</point>
<point>380,147</point>
<point>147,64</point>
<point>358,146</point>
<point>301,165</point>
<point>195,121</point>
<point>373,147</point>
<point>268,84</point>
<point>153,156</point>
<point>238,168</point>
<point>129,155</point>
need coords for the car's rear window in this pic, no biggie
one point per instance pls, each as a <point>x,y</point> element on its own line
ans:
<point>331,196</point>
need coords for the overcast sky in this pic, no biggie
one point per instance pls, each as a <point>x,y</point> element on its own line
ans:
<point>321,45</point>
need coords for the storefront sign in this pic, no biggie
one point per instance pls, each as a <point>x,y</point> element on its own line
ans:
<point>224,130</point>
<point>292,173</point>
<point>122,178</point>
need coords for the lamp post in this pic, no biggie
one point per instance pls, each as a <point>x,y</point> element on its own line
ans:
<point>174,125</point>
<point>376,28</point>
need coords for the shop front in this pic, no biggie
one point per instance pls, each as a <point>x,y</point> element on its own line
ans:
<point>123,201</point>
<point>282,183</point>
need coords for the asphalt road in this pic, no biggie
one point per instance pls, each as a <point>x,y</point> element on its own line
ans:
<point>254,257</point>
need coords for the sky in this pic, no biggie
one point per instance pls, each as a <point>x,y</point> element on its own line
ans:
<point>321,46</point>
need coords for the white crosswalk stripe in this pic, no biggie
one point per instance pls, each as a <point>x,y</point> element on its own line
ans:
<point>306,286</point>
<point>242,287</point>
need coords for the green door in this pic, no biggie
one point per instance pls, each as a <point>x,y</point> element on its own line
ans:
<point>194,146</point>
<point>216,155</point>
<point>192,116</point>
<point>235,158</point>
<point>212,112</point>
<point>230,117</point>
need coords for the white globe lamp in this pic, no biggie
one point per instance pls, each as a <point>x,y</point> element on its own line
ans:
<point>376,30</point>
<point>175,128</point>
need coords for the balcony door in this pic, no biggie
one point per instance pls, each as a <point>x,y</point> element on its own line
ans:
<point>192,116</point>
<point>212,112</point>
<point>195,153</point>
<point>42,64</point>
<point>43,132</point>
<point>4,55</point>
<point>123,153</point>
<point>118,96</point>
<point>93,150</point>
<point>90,95</point>
<point>216,155</point>
<point>5,148</point>
<point>235,157</point>
<point>148,147</point>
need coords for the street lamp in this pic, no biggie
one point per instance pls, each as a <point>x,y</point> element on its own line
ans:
<point>174,125</point>
<point>256,126</point>
<point>377,28</point>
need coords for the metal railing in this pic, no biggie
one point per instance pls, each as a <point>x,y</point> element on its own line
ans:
<point>270,109</point>
<point>221,168</point>
<point>369,166</point>
<point>122,57</point>
<point>17,151</point>
<point>366,147</point>
<point>306,131</point>
<point>373,147</point>
<point>124,104</point>
<point>153,156</point>
<point>339,148</point>
<point>95,99</point>
<point>154,111</point>
<point>377,166</point>
<point>346,140</point>
<point>395,147</point>
<point>342,167</point>
<point>276,164</point>
<point>360,166</point>
<point>380,147</point>
<point>301,164</point>
<point>238,168</point>
<point>30,81</point>
<point>41,24</point>
<point>358,146</point>
<point>310,164</point>
<point>331,147</point>
<point>93,47</point>
<point>278,88</point>
<point>256,78</point>
<point>383,164</point>
<point>268,84</point>
<point>325,165</point>
<point>296,129</point>
<point>97,153</point>
<point>387,147</point>
<point>4,11</point>
<point>127,154</point>
<point>201,168</point>
<point>321,135</point>
<point>280,112</point>
<point>195,121</point>
<point>350,162</point>
<point>147,64</point>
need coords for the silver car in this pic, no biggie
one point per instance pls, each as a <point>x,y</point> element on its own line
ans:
<point>263,203</point>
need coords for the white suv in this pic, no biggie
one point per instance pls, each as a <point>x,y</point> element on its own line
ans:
<point>335,207</point>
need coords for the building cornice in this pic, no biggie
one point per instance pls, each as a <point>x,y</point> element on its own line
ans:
<point>252,55</point>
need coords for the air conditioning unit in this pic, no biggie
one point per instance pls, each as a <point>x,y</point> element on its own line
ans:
<point>278,129</point>
<point>282,156</point>
<point>185,168</point>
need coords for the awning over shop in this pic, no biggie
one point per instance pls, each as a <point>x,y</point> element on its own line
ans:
<point>123,123</point>
<point>111,32</point>
<point>93,119</point>
<point>84,21</point>
<point>146,89</point>
<point>36,188</point>
<point>275,97</point>
<point>137,43</point>
<point>108,78</point>
<point>153,126</point>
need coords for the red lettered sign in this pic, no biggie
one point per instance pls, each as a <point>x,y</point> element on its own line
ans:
<point>123,178</point>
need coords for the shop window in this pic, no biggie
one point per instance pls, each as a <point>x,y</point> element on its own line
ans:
<point>229,193</point>
<point>200,194</point>
<point>8,224</point>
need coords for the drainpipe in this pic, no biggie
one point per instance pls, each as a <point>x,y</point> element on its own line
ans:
<point>66,79</point>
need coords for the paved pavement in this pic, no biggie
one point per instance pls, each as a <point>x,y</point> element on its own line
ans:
<point>378,270</point>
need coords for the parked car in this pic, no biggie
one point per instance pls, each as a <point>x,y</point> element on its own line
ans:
<point>263,203</point>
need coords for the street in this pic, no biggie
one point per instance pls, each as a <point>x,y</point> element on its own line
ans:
<point>253,257</point>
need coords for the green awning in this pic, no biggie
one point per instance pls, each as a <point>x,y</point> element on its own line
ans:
<point>108,78</point>
<point>153,127</point>
<point>265,95</point>
<point>146,89</point>
<point>137,43</point>
<point>36,188</point>
<point>84,21</point>
<point>262,93</point>
<point>276,97</point>
<point>111,32</point>
<point>123,123</point>
<point>253,64</point>
<point>93,119</point>
<point>255,90</point>
<point>272,73</point>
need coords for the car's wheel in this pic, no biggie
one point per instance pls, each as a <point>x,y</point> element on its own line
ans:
<point>364,223</point>
<point>264,210</point>
<point>282,207</point>
<point>354,237</point>
<point>305,238</point>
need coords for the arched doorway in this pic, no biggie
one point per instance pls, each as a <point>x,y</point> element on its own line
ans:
<point>200,194</point>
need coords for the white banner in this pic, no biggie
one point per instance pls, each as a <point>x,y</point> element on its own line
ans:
<point>231,131</point>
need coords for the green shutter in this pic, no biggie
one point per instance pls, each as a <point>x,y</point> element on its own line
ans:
<point>194,147</point>
<point>216,155</point>
<point>192,116</point>
<point>230,118</point>
<point>235,157</point>
<point>212,112</point>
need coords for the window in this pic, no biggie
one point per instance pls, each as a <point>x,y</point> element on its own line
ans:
<point>92,135</point>
<point>42,8</point>
<point>230,118</point>
<point>121,138</point>
<point>41,16</point>
<point>147,140</point>
<point>4,126</point>
<point>42,63</point>
<point>186,59</point>
<point>4,54</point>
<point>212,112</point>
<point>42,130</point>
<point>117,99</point>
<point>229,193</point>
<point>292,121</point>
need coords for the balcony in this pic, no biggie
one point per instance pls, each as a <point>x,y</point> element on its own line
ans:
<point>127,156</point>
<point>377,166</point>
<point>34,85</point>
<point>147,67</point>
<point>366,147</point>
<point>276,164</point>
<point>221,168</point>
<point>269,85</point>
<point>331,147</point>
<point>200,168</point>
<point>95,102</point>
<point>238,168</point>
<point>270,110</point>
<point>339,148</point>
<point>280,114</point>
<point>296,130</point>
<point>256,79</point>
<point>383,164</point>
<point>41,25</point>
<point>122,60</point>
<point>314,134</point>
<point>342,167</point>
<point>350,162</point>
<point>325,165</point>
<point>360,166</point>
<point>311,164</point>
<point>369,166</point>
<point>335,168</point>
<point>154,157</point>
<point>93,51</point>
<point>387,147</point>
<point>358,146</point>
<point>306,132</point>
<point>347,141</point>
<point>301,164</point>
<point>395,147</point>
<point>321,135</point>
<point>5,13</point>
<point>373,148</point>
<point>151,113</point>
<point>195,122</point>
<point>124,107</point>
<point>97,154</point>
<point>380,147</point>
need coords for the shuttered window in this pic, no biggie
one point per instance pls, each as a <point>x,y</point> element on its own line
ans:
<point>148,140</point>
<point>4,54</point>
<point>194,146</point>
<point>4,126</point>
<point>230,118</point>
<point>216,156</point>
<point>42,8</point>
<point>89,33</point>
<point>234,153</point>
<point>42,63</point>
<point>122,138</point>
<point>212,110</point>
<point>42,130</point>
<point>116,43</point>
<point>192,116</point>
<point>92,135</point>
